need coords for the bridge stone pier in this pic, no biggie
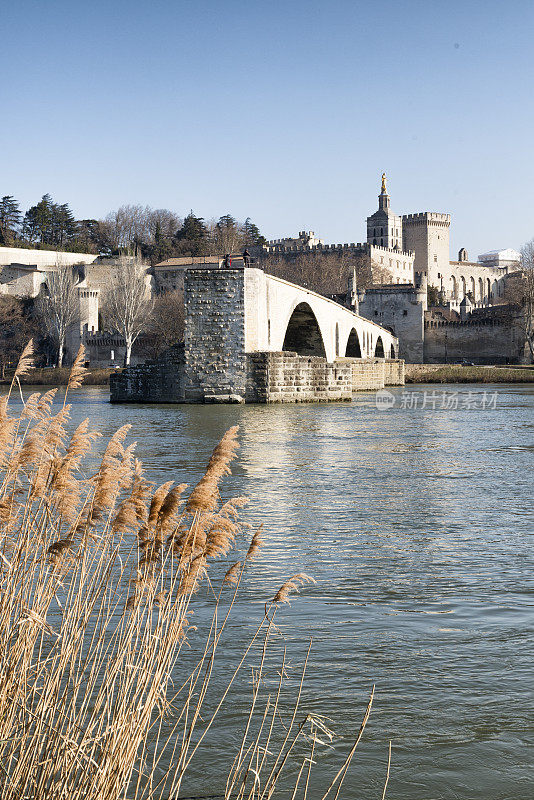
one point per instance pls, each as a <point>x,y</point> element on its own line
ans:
<point>252,337</point>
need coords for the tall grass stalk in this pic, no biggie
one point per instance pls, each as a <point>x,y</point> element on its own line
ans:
<point>100,572</point>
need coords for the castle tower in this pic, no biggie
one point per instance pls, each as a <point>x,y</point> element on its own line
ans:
<point>384,228</point>
<point>427,234</point>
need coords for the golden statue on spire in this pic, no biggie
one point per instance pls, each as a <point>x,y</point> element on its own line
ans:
<point>384,189</point>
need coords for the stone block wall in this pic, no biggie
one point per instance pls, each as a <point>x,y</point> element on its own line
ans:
<point>367,375</point>
<point>287,377</point>
<point>488,342</point>
<point>216,365</point>
<point>394,373</point>
<point>375,374</point>
<point>160,381</point>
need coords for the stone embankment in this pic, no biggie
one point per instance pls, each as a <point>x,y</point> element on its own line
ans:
<point>460,373</point>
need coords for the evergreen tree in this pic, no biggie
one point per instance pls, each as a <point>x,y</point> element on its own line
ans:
<point>9,218</point>
<point>63,225</point>
<point>88,237</point>
<point>192,237</point>
<point>251,234</point>
<point>37,225</point>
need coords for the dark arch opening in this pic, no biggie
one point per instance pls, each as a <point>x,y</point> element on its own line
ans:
<point>353,345</point>
<point>392,354</point>
<point>379,348</point>
<point>303,335</point>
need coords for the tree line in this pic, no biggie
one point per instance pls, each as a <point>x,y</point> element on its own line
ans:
<point>135,230</point>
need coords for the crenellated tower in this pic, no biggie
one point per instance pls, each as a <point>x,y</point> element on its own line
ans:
<point>427,234</point>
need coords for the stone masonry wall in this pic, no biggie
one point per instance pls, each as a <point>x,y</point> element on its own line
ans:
<point>160,381</point>
<point>489,343</point>
<point>287,377</point>
<point>375,374</point>
<point>215,361</point>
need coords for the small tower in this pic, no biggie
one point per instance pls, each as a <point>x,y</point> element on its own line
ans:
<point>384,228</point>
<point>383,197</point>
<point>352,291</point>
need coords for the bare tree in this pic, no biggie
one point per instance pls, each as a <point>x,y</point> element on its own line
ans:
<point>166,326</point>
<point>127,304</point>
<point>128,227</point>
<point>58,306</point>
<point>16,329</point>
<point>527,286</point>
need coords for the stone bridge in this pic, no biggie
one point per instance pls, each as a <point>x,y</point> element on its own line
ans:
<point>251,337</point>
<point>283,316</point>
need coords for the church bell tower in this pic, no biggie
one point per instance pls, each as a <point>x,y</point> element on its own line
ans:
<point>384,228</point>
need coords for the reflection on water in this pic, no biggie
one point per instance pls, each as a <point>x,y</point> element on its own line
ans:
<point>417,525</point>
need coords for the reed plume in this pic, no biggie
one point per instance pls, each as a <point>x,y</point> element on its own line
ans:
<point>255,545</point>
<point>78,371</point>
<point>25,362</point>
<point>205,494</point>
<point>232,574</point>
<point>291,585</point>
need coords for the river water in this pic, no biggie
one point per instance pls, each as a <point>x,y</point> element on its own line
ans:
<point>417,524</point>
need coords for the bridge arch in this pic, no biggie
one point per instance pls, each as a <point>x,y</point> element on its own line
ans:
<point>379,348</point>
<point>303,334</point>
<point>353,349</point>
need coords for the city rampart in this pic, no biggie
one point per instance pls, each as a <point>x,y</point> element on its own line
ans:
<point>42,258</point>
<point>485,341</point>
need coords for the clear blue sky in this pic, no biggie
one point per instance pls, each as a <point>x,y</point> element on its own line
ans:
<point>286,112</point>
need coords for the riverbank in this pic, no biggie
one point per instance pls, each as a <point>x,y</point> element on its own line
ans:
<point>55,376</point>
<point>458,373</point>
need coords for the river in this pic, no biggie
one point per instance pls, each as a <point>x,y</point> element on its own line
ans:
<point>417,524</point>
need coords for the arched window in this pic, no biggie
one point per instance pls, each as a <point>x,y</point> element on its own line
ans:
<point>303,335</point>
<point>337,339</point>
<point>392,353</point>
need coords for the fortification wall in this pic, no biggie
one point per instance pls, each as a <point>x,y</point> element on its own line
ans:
<point>42,258</point>
<point>483,343</point>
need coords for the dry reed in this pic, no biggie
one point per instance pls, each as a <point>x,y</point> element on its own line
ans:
<point>98,573</point>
